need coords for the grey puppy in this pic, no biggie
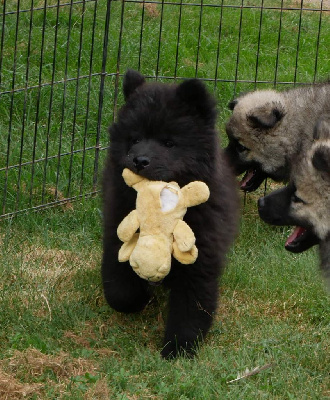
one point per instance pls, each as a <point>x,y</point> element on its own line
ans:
<point>305,202</point>
<point>268,129</point>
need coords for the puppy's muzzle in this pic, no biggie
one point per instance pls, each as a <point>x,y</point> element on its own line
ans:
<point>141,162</point>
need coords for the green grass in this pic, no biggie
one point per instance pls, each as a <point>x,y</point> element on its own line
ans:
<point>59,339</point>
<point>55,123</point>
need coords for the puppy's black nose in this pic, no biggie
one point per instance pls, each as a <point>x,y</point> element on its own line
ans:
<point>141,162</point>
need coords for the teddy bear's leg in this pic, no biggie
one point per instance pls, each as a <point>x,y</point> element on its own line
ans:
<point>187,257</point>
<point>193,301</point>
<point>123,289</point>
<point>184,236</point>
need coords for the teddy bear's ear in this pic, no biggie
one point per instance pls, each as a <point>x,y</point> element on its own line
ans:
<point>131,178</point>
<point>195,193</point>
<point>132,80</point>
<point>194,93</point>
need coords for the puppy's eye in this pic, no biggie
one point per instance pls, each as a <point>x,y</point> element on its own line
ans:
<point>296,199</point>
<point>135,141</point>
<point>169,143</point>
<point>240,148</point>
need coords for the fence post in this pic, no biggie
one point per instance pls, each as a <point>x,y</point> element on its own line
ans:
<point>101,93</point>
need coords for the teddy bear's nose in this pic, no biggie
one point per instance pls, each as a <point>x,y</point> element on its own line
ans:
<point>141,162</point>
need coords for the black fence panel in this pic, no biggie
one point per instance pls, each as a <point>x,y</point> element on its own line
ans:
<point>62,62</point>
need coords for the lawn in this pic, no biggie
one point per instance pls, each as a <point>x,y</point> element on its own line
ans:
<point>53,119</point>
<point>60,340</point>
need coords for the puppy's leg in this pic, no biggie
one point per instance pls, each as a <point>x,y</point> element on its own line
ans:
<point>123,289</point>
<point>191,308</point>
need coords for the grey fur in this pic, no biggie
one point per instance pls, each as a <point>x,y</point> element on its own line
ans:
<point>268,129</point>
<point>311,178</point>
<point>306,200</point>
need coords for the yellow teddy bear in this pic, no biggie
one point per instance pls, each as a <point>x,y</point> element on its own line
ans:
<point>160,208</point>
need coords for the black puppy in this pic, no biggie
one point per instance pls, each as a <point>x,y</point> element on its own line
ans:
<point>167,132</point>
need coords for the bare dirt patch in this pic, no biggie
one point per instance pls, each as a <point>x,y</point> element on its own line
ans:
<point>12,388</point>
<point>18,373</point>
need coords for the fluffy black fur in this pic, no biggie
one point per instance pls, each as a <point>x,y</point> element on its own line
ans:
<point>166,132</point>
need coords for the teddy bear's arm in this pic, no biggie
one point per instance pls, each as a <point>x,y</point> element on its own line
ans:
<point>128,226</point>
<point>185,257</point>
<point>131,178</point>
<point>184,236</point>
<point>195,193</point>
<point>127,248</point>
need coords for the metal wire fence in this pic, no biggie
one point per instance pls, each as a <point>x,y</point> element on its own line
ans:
<point>62,62</point>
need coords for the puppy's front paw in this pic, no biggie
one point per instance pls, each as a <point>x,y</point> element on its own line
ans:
<point>176,348</point>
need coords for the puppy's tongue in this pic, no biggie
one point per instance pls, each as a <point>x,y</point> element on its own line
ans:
<point>247,177</point>
<point>297,232</point>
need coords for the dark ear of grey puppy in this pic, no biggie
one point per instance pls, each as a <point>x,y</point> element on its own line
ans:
<point>267,116</point>
<point>193,93</point>
<point>132,80</point>
<point>322,128</point>
<point>232,104</point>
<point>321,159</point>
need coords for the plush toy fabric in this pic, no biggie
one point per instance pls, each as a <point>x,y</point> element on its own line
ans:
<point>160,208</point>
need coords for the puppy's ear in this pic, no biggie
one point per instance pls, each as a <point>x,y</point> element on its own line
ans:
<point>194,93</point>
<point>132,80</point>
<point>232,104</point>
<point>267,116</point>
<point>322,128</point>
<point>321,159</point>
